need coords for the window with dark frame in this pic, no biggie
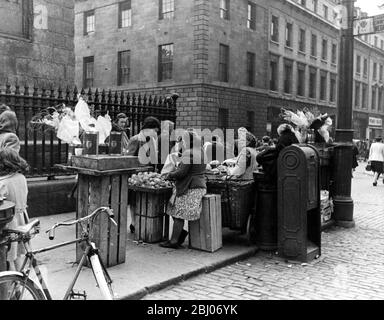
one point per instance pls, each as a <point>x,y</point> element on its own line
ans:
<point>89,22</point>
<point>288,75</point>
<point>224,9</point>
<point>300,80</point>
<point>324,49</point>
<point>314,45</point>
<point>302,40</point>
<point>165,66</point>
<point>88,72</point>
<point>251,69</point>
<point>357,93</point>
<point>288,34</point>
<point>334,53</point>
<point>250,121</point>
<point>358,64</point>
<point>364,96</point>
<point>315,6</point>
<point>373,103</point>
<point>374,71</point>
<point>332,88</point>
<point>325,10</point>
<point>125,14</point>
<point>223,63</point>
<point>251,21</point>
<point>223,118</point>
<point>380,100</point>
<point>381,72</point>
<point>166,9</point>
<point>365,67</point>
<point>275,29</point>
<point>124,69</point>
<point>273,72</point>
<point>312,83</point>
<point>323,85</point>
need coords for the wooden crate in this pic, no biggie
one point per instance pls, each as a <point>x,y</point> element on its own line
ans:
<point>151,220</point>
<point>206,234</point>
<point>105,162</point>
<point>105,191</point>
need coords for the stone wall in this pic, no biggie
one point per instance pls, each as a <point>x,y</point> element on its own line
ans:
<point>47,56</point>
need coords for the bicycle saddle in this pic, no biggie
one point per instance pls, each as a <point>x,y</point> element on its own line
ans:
<point>23,230</point>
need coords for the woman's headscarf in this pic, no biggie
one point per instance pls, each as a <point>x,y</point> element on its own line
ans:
<point>8,122</point>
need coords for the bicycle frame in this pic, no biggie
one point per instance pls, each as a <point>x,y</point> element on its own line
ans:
<point>30,255</point>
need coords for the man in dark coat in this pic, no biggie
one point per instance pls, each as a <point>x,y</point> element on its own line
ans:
<point>268,158</point>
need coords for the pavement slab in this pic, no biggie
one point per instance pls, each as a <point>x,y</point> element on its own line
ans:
<point>147,268</point>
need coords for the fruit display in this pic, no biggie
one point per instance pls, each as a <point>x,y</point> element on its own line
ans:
<point>218,168</point>
<point>150,180</point>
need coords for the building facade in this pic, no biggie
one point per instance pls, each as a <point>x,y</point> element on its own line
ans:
<point>37,42</point>
<point>233,62</point>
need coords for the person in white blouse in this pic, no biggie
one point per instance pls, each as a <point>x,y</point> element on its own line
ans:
<point>376,159</point>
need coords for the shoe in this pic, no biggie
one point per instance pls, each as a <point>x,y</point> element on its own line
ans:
<point>132,228</point>
<point>375,184</point>
<point>169,244</point>
<point>182,237</point>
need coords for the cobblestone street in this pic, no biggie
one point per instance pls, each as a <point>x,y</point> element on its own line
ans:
<point>351,265</point>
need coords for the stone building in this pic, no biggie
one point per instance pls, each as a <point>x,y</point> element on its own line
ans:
<point>208,52</point>
<point>233,62</point>
<point>36,42</point>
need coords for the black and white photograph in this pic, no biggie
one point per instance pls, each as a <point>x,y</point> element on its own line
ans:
<point>192,155</point>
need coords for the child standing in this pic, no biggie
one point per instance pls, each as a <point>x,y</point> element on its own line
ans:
<point>12,180</point>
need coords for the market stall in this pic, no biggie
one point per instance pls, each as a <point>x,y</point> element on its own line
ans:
<point>103,182</point>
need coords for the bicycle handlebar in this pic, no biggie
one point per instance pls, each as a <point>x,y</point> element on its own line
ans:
<point>93,215</point>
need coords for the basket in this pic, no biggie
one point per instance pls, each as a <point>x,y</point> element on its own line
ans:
<point>237,200</point>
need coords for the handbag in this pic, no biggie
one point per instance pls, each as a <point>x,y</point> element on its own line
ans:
<point>368,167</point>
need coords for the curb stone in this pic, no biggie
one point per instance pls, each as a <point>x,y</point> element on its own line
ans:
<point>206,269</point>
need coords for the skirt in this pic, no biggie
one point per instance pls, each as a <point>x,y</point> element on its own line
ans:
<point>377,166</point>
<point>188,206</point>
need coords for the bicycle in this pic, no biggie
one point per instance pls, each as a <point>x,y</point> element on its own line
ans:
<point>19,285</point>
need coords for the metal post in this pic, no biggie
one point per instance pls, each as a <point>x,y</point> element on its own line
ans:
<point>343,203</point>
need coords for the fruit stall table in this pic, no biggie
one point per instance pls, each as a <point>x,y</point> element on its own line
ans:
<point>237,200</point>
<point>103,182</point>
<point>150,202</point>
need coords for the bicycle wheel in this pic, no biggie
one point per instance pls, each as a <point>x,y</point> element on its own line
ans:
<point>104,286</point>
<point>15,287</point>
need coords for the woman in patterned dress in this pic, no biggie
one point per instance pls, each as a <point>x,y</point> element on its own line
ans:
<point>190,189</point>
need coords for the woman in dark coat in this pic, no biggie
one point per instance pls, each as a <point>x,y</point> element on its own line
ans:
<point>268,158</point>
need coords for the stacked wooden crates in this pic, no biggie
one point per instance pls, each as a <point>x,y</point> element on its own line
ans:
<point>151,220</point>
<point>206,234</point>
